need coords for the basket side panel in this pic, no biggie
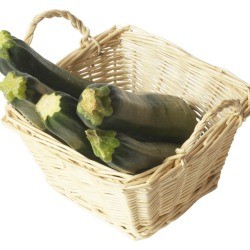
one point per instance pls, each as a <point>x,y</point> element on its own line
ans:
<point>147,203</point>
<point>91,185</point>
<point>156,65</point>
<point>90,192</point>
<point>164,200</point>
<point>138,61</point>
<point>105,67</point>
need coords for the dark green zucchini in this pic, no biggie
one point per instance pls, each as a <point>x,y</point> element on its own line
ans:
<point>58,112</point>
<point>145,117</point>
<point>128,155</point>
<point>15,54</point>
<point>23,92</point>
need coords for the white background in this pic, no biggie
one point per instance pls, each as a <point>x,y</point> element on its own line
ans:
<point>33,216</point>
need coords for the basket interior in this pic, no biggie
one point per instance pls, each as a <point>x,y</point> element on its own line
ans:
<point>140,62</point>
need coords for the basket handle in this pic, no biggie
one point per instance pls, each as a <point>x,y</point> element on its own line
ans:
<point>75,22</point>
<point>246,103</point>
<point>236,107</point>
<point>237,114</point>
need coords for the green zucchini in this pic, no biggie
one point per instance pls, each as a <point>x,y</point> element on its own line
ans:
<point>58,112</point>
<point>15,54</point>
<point>128,155</point>
<point>145,117</point>
<point>23,92</point>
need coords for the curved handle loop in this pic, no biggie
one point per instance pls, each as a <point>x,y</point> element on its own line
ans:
<point>232,103</point>
<point>236,109</point>
<point>181,152</point>
<point>246,103</point>
<point>75,22</point>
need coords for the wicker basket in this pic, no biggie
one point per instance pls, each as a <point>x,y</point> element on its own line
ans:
<point>138,61</point>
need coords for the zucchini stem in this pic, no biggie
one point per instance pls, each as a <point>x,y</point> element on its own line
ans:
<point>6,42</point>
<point>95,104</point>
<point>103,143</point>
<point>48,105</point>
<point>14,86</point>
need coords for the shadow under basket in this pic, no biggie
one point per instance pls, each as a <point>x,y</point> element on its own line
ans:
<point>137,61</point>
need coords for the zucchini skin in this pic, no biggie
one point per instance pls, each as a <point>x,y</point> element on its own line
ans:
<point>34,89</point>
<point>147,116</point>
<point>68,127</point>
<point>25,59</point>
<point>6,67</point>
<point>27,109</point>
<point>132,156</point>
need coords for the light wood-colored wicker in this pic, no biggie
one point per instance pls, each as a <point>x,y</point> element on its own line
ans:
<point>138,61</point>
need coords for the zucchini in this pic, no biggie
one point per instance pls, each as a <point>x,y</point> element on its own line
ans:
<point>58,112</point>
<point>145,117</point>
<point>23,92</point>
<point>128,155</point>
<point>15,54</point>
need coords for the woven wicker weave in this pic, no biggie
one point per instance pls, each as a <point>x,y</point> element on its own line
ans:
<point>138,61</point>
